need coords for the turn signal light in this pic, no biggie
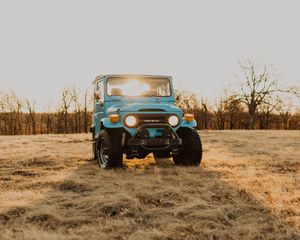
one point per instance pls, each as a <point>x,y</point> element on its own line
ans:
<point>188,117</point>
<point>114,118</point>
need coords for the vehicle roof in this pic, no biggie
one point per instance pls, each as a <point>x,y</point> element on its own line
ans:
<point>131,75</point>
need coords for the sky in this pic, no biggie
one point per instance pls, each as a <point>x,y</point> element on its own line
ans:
<point>46,45</point>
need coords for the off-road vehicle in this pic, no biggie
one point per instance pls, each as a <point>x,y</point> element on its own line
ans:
<point>135,115</point>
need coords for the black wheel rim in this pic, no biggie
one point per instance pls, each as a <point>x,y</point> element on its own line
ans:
<point>103,155</point>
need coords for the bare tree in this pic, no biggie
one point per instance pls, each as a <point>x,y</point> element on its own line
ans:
<point>31,110</point>
<point>285,114</point>
<point>41,123</point>
<point>189,102</point>
<point>220,114</point>
<point>77,107</point>
<point>66,103</point>
<point>258,87</point>
<point>85,110</point>
<point>295,120</point>
<point>59,128</point>
<point>266,109</point>
<point>49,119</point>
<point>11,113</point>
<point>204,113</point>
<point>234,112</point>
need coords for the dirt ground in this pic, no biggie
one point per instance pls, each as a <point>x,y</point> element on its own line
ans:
<point>247,187</point>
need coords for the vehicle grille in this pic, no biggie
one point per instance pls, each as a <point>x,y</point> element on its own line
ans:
<point>151,118</point>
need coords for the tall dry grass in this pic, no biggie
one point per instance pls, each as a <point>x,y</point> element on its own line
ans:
<point>247,188</point>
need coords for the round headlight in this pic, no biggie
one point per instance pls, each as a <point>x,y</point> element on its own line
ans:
<point>173,120</point>
<point>130,121</point>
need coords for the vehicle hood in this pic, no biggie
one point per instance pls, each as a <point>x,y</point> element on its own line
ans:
<point>142,107</point>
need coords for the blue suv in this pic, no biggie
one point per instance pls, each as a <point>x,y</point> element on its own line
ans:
<point>135,115</point>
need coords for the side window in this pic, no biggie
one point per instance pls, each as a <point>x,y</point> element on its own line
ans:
<point>100,91</point>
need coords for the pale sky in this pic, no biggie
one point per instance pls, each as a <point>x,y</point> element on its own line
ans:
<point>48,45</point>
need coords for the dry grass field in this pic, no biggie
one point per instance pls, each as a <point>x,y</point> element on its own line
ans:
<point>248,187</point>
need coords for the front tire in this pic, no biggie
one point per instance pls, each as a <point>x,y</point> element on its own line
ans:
<point>109,149</point>
<point>190,154</point>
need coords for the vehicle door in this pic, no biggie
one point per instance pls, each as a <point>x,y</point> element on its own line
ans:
<point>99,105</point>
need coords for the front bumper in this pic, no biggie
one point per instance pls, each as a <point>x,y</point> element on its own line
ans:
<point>168,140</point>
<point>154,143</point>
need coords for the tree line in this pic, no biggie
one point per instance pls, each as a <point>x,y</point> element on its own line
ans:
<point>19,116</point>
<point>256,103</point>
<point>229,114</point>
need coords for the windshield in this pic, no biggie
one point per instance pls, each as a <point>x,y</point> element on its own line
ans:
<point>146,86</point>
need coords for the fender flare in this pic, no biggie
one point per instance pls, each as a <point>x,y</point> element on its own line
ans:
<point>106,123</point>
<point>192,124</point>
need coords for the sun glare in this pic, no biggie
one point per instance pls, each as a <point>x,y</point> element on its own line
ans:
<point>134,88</point>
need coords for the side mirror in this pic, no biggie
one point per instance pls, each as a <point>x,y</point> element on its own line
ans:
<point>97,96</point>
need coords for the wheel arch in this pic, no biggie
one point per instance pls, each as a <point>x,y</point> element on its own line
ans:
<point>192,124</point>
